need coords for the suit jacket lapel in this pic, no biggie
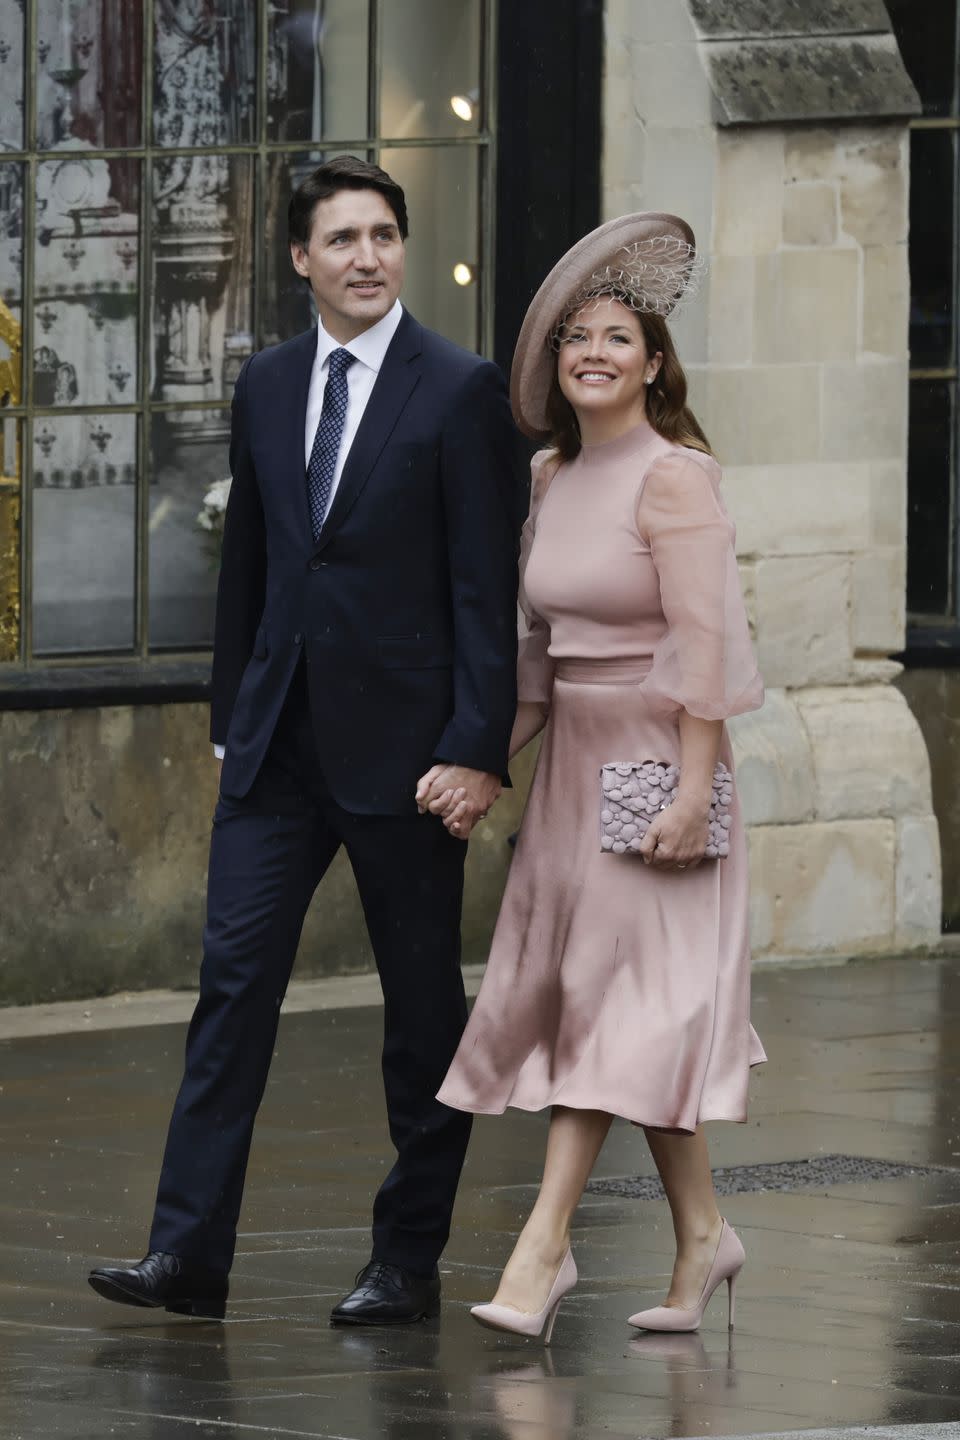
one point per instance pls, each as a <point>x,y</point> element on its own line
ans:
<point>293,426</point>
<point>394,385</point>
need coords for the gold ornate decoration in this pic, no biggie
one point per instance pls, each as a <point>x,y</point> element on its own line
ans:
<point>10,371</point>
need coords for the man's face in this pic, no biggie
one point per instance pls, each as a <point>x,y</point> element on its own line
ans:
<point>354,261</point>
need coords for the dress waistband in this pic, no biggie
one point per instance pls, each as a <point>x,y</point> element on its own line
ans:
<point>603,672</point>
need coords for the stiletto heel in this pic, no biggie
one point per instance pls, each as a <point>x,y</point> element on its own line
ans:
<point>504,1317</point>
<point>548,1333</point>
<point>727,1264</point>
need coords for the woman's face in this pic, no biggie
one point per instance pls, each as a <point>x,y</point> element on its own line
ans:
<point>603,364</point>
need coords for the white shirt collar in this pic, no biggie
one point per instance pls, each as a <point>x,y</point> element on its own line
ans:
<point>370,347</point>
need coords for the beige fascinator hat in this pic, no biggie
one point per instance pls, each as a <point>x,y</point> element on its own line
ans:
<point>648,259</point>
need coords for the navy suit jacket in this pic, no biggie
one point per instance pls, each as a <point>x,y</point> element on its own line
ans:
<point>405,609</point>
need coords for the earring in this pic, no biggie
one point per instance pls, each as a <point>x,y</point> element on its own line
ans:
<point>650,379</point>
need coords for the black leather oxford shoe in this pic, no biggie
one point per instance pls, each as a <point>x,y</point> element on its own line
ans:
<point>182,1286</point>
<point>388,1295</point>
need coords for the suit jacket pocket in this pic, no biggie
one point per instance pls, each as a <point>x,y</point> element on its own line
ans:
<point>414,652</point>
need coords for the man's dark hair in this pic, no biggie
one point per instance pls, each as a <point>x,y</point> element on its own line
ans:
<point>343,172</point>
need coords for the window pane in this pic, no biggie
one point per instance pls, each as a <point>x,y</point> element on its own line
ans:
<point>317,70</point>
<point>11,283</point>
<point>203,234</point>
<point>89,73</point>
<point>204,72</point>
<point>190,453</point>
<point>442,190</point>
<point>84,515</point>
<point>85,290</point>
<point>430,71</point>
<point>930,524</point>
<point>12,36</point>
<point>10,471</point>
<point>927,36</point>
<point>933,201</point>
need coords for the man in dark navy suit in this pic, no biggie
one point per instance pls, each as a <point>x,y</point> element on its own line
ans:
<point>363,675</point>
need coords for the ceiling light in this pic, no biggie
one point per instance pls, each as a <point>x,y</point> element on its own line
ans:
<point>463,273</point>
<point>465,106</point>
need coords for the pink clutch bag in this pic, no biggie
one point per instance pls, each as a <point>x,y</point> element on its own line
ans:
<point>632,794</point>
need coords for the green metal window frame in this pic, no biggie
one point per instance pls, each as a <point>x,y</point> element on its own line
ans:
<point>68,679</point>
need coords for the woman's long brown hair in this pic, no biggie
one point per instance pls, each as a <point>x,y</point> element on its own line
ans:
<point>667,408</point>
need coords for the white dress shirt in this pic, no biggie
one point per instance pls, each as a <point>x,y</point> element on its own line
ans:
<point>369,350</point>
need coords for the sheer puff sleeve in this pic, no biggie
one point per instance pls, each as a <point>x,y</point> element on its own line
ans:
<point>704,663</point>
<point>534,665</point>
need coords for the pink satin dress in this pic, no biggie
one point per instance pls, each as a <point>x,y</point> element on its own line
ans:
<point>612,985</point>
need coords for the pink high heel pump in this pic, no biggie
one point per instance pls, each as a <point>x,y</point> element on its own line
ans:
<point>727,1264</point>
<point>504,1317</point>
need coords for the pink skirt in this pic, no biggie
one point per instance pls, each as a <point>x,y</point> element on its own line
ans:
<point>610,985</point>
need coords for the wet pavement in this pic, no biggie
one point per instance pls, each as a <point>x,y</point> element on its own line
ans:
<point>848,1311</point>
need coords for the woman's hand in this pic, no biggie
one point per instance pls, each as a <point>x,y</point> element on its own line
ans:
<point>677,837</point>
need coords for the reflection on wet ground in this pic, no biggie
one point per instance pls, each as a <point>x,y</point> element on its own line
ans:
<point>848,1312</point>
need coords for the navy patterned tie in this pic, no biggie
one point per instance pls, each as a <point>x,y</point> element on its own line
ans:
<point>326,442</point>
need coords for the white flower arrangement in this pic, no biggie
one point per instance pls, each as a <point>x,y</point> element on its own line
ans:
<point>214,508</point>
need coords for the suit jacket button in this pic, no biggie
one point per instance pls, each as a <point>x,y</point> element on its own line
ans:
<point>315,563</point>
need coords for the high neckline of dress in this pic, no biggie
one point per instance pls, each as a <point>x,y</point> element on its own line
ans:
<point>624,444</point>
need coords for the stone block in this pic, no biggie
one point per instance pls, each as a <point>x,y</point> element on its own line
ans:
<point>775,779</point>
<point>807,306</point>
<point>888,502</point>
<point>879,600</point>
<point>799,509</point>
<point>803,620</point>
<point>748,216</point>
<point>812,154</point>
<point>762,414</point>
<point>809,77</point>
<point>623,199</point>
<point>869,756</point>
<point>837,154</point>
<point>886,300</point>
<point>744,19</point>
<point>652,21</point>
<point>810,214</point>
<point>103,856</point>
<point>820,889</point>
<point>874,190</point>
<point>874,671</point>
<point>918,898</point>
<point>670,86</point>
<point>679,174</point>
<point>730,306</point>
<point>864,411</point>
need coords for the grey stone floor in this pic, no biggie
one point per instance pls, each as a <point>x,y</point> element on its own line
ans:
<point>848,1313</point>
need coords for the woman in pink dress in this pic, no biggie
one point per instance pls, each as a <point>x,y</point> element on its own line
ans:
<point>618,984</point>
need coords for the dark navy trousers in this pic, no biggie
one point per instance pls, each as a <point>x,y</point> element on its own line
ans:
<point>268,852</point>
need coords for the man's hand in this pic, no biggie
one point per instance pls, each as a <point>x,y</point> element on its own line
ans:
<point>459,795</point>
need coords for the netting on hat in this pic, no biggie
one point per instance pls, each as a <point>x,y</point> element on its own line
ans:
<point>652,276</point>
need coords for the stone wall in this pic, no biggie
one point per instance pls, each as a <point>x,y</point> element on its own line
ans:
<point>797,357</point>
<point>106,826</point>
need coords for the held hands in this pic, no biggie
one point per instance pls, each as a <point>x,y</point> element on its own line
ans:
<point>677,837</point>
<point>459,795</point>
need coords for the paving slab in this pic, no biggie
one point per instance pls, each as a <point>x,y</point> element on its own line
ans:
<point>848,1310</point>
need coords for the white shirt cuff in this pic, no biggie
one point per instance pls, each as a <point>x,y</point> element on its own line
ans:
<point>219,751</point>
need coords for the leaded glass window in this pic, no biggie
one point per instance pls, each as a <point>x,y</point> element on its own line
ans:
<point>147,153</point>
